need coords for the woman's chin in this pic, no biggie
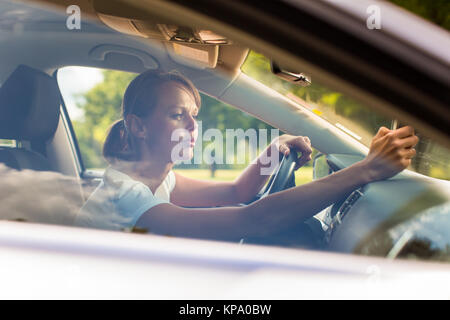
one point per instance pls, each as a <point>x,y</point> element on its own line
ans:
<point>185,155</point>
<point>191,153</point>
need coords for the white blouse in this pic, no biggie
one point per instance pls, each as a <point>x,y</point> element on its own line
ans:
<point>119,201</point>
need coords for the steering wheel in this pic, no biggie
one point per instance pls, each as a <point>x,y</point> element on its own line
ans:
<point>306,234</point>
<point>280,178</point>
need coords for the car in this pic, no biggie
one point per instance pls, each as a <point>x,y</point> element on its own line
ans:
<point>387,239</point>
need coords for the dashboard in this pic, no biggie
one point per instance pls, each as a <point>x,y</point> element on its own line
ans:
<point>407,215</point>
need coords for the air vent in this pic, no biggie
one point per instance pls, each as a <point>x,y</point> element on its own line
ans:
<point>342,212</point>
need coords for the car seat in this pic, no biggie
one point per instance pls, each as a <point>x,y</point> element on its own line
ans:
<point>29,113</point>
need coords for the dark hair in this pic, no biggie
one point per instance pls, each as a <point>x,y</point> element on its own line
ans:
<point>139,99</point>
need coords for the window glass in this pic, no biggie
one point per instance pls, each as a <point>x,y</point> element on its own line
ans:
<point>351,116</point>
<point>93,98</point>
<point>8,143</point>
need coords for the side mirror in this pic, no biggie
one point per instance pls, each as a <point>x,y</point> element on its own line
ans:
<point>297,78</point>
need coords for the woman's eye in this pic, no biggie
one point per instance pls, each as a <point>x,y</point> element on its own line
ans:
<point>179,116</point>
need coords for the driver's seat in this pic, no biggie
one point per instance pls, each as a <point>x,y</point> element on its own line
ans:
<point>29,111</point>
<point>29,114</point>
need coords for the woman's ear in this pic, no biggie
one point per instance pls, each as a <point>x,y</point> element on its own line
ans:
<point>135,126</point>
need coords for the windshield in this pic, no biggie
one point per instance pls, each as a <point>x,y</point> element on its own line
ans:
<point>349,115</point>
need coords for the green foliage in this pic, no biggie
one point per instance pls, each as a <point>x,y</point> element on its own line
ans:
<point>437,11</point>
<point>101,106</point>
<point>333,106</point>
<point>215,114</point>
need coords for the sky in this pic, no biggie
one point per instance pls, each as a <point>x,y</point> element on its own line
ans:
<point>74,81</point>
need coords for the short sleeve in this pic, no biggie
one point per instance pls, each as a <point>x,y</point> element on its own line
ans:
<point>118,202</point>
<point>134,200</point>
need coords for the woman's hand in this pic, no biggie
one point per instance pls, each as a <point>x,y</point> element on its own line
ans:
<point>286,143</point>
<point>390,152</point>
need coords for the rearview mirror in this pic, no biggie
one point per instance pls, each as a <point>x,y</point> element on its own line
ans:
<point>294,77</point>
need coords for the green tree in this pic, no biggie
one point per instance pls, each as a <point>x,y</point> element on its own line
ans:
<point>101,106</point>
<point>437,11</point>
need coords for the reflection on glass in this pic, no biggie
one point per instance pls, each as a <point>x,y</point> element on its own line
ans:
<point>351,116</point>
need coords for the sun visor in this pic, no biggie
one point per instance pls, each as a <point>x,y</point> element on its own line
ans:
<point>194,55</point>
<point>131,26</point>
<point>195,48</point>
<point>186,45</point>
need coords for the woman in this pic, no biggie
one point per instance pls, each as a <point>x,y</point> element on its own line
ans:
<point>140,189</point>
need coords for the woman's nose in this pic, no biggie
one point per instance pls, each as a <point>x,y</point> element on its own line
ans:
<point>192,123</point>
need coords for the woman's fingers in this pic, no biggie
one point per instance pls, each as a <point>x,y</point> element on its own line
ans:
<point>301,162</point>
<point>284,149</point>
<point>391,151</point>
<point>296,143</point>
<point>408,142</point>
<point>404,132</point>
<point>397,139</point>
<point>408,153</point>
<point>381,132</point>
<point>302,145</point>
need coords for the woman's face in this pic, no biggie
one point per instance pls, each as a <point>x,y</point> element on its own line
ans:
<point>171,129</point>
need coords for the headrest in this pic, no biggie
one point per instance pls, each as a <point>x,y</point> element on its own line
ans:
<point>29,105</point>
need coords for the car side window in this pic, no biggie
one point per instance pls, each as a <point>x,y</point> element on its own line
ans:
<point>351,116</point>
<point>93,99</point>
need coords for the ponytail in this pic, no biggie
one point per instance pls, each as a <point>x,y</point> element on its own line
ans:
<point>118,143</point>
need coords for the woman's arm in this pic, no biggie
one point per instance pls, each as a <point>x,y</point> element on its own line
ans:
<point>261,217</point>
<point>190,192</point>
<point>390,153</point>
<point>253,178</point>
